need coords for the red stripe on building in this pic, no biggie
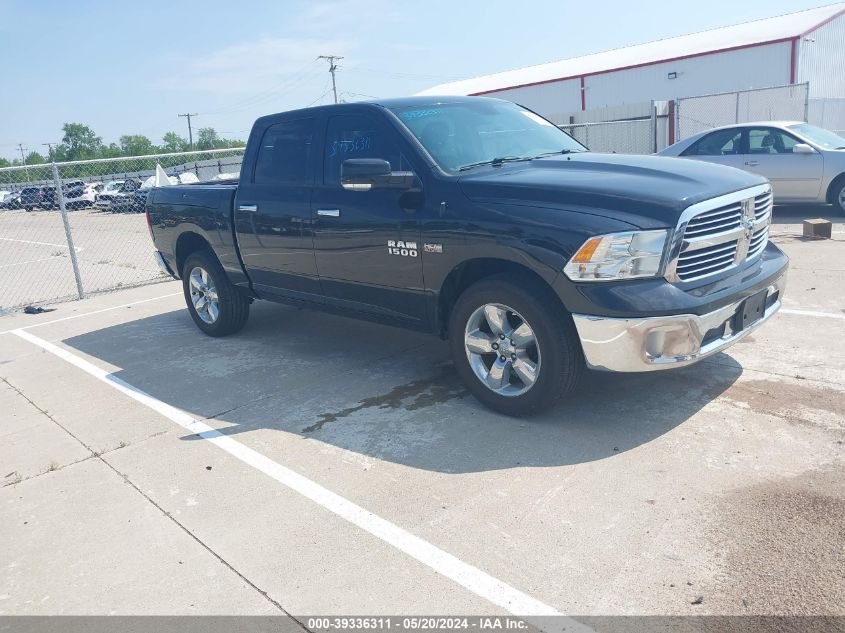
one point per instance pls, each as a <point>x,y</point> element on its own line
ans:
<point>793,60</point>
<point>583,95</point>
<point>671,125</point>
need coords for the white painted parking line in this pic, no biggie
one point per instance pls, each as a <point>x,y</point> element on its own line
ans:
<point>11,239</point>
<point>31,261</point>
<point>471,578</point>
<point>85,314</point>
<point>814,313</point>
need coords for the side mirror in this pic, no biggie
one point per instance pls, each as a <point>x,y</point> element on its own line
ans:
<point>363,174</point>
<point>802,148</point>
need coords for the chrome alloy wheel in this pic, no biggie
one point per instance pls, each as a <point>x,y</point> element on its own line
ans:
<point>842,198</point>
<point>502,349</point>
<point>204,295</point>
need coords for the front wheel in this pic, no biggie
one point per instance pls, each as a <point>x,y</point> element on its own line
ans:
<point>514,346</point>
<point>839,196</point>
<point>216,305</point>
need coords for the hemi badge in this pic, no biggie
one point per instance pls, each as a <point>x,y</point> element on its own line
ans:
<point>433,248</point>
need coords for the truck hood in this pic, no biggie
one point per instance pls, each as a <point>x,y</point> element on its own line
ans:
<point>646,191</point>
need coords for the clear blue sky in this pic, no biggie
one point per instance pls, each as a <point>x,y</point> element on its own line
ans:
<point>131,70</point>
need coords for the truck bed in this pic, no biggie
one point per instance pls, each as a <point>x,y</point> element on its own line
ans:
<point>202,208</point>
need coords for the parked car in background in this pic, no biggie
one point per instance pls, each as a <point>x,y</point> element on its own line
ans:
<point>80,195</point>
<point>11,201</point>
<point>73,193</point>
<point>117,196</point>
<point>803,162</point>
<point>139,199</point>
<point>30,197</point>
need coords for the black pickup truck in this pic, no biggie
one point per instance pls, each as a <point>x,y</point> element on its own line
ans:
<point>479,220</point>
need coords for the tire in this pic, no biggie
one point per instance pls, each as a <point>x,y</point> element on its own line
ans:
<point>838,195</point>
<point>555,352</point>
<point>210,282</point>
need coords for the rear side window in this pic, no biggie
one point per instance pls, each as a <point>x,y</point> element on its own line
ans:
<point>284,156</point>
<point>356,136</point>
<point>719,143</point>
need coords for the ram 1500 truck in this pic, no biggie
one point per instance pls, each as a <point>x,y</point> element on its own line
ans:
<point>479,220</point>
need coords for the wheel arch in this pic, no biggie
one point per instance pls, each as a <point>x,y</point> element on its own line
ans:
<point>834,186</point>
<point>470,272</point>
<point>189,242</point>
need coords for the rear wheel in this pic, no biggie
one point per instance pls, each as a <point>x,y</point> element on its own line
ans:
<point>215,304</point>
<point>514,346</point>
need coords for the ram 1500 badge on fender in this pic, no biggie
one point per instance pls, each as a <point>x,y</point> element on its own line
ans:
<point>538,259</point>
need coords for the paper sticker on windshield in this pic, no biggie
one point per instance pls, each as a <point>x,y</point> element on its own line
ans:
<point>535,118</point>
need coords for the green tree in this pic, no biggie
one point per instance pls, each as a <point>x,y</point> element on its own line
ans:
<point>207,138</point>
<point>112,150</point>
<point>34,158</point>
<point>174,143</point>
<point>136,145</point>
<point>4,162</point>
<point>79,142</point>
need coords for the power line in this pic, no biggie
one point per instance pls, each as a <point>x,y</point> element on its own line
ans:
<point>332,68</point>
<point>294,78</point>
<point>23,157</point>
<point>190,131</point>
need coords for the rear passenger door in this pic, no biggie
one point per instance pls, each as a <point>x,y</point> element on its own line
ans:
<point>722,146</point>
<point>367,246</point>
<point>273,211</point>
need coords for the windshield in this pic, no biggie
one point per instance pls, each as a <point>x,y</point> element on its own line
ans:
<point>113,186</point>
<point>819,136</point>
<point>468,133</point>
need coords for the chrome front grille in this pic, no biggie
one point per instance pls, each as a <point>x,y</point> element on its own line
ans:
<point>720,234</point>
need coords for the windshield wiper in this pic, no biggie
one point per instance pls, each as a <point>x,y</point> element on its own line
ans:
<point>558,152</point>
<point>495,162</point>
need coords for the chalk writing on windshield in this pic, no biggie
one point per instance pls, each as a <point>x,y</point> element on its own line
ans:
<point>418,114</point>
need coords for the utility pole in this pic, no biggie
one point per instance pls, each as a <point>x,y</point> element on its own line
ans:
<point>332,67</point>
<point>49,149</point>
<point>190,132</point>
<point>23,158</point>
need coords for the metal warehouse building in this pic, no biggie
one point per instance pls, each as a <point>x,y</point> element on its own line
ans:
<point>808,46</point>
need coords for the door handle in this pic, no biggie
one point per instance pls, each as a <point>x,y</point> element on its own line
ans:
<point>329,213</point>
<point>752,163</point>
<point>251,208</point>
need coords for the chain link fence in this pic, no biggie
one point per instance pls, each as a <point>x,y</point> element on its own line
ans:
<point>68,230</point>
<point>780,103</point>
<point>634,136</point>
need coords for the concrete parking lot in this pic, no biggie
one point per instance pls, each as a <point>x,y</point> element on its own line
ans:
<point>113,251</point>
<point>313,464</point>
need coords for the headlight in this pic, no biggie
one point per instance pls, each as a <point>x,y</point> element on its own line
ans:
<point>618,256</point>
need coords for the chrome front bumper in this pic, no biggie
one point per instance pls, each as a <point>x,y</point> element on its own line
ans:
<point>664,342</point>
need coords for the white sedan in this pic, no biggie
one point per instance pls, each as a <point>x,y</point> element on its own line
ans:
<point>804,163</point>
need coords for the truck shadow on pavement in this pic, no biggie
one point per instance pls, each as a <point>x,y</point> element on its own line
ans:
<point>385,392</point>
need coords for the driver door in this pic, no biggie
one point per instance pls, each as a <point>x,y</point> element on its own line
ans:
<point>794,177</point>
<point>367,247</point>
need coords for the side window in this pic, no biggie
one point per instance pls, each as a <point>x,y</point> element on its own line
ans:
<point>770,141</point>
<point>284,156</point>
<point>356,136</point>
<point>720,143</point>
